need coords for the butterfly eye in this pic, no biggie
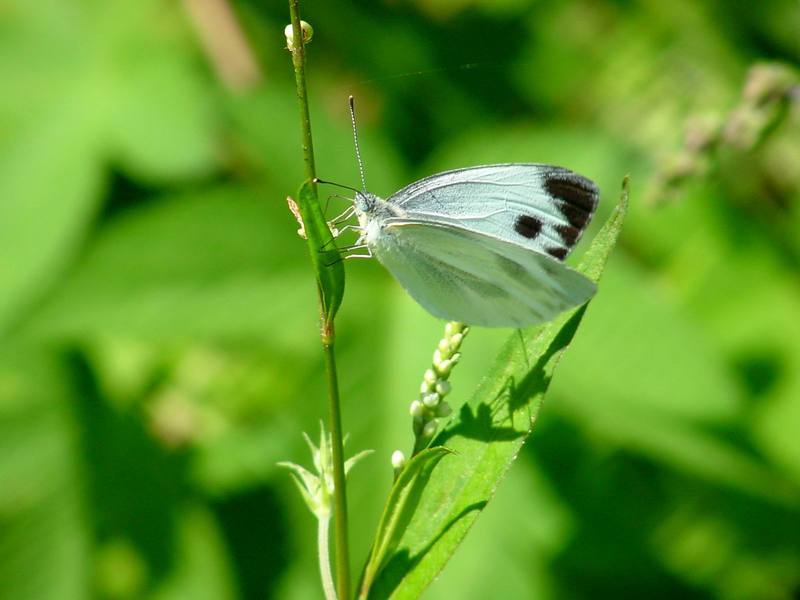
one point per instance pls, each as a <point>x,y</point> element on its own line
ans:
<point>528,226</point>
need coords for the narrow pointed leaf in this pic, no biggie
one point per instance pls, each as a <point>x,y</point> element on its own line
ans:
<point>486,437</point>
<point>325,257</point>
<point>400,507</point>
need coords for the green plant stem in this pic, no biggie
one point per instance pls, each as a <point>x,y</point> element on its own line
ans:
<point>342,554</point>
<point>323,544</point>
<point>339,490</point>
<point>299,62</point>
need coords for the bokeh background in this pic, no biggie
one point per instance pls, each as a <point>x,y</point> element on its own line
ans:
<point>159,350</point>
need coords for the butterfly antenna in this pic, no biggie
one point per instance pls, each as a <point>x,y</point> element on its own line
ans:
<point>341,185</point>
<point>355,139</point>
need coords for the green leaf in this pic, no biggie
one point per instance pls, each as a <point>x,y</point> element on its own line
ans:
<point>45,534</point>
<point>486,437</point>
<point>403,500</point>
<point>49,188</point>
<point>218,263</point>
<point>202,568</point>
<point>145,106</point>
<point>325,257</point>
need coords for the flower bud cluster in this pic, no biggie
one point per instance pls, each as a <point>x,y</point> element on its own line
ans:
<point>435,385</point>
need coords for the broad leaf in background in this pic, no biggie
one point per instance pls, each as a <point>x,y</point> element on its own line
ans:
<point>97,106</point>
<point>44,536</point>
<point>486,437</point>
<point>218,263</point>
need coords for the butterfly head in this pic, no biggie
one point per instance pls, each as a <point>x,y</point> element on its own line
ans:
<point>372,213</point>
<point>364,202</point>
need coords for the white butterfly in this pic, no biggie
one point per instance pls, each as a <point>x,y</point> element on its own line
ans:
<point>484,245</point>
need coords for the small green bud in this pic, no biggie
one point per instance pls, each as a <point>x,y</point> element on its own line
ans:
<point>429,430</point>
<point>443,410</point>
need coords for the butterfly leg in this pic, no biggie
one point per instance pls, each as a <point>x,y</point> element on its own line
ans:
<point>357,228</point>
<point>349,212</point>
<point>357,246</point>
<point>368,253</point>
<point>337,232</point>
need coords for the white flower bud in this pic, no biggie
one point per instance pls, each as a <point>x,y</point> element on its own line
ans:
<point>288,31</point>
<point>443,387</point>
<point>437,357</point>
<point>430,377</point>
<point>398,460</point>
<point>444,346</point>
<point>431,400</point>
<point>417,409</point>
<point>455,341</point>
<point>450,328</point>
<point>426,387</point>
<point>445,367</point>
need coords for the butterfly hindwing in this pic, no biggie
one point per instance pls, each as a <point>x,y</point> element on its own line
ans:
<point>540,207</point>
<point>459,274</point>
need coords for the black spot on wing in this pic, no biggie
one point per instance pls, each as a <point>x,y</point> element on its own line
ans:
<point>559,253</point>
<point>528,226</point>
<point>577,217</point>
<point>569,234</point>
<point>577,196</point>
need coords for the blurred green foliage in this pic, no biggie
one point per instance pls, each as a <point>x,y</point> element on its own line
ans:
<point>160,352</point>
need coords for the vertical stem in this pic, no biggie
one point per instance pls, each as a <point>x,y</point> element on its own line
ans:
<point>328,333</point>
<point>299,61</point>
<point>325,559</point>
<point>339,490</point>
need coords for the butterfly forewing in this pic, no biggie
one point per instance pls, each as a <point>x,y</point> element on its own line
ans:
<point>540,207</point>
<point>458,274</point>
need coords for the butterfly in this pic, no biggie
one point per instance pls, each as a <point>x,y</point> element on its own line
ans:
<point>483,245</point>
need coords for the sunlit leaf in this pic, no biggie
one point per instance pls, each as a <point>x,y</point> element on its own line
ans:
<point>400,506</point>
<point>486,437</point>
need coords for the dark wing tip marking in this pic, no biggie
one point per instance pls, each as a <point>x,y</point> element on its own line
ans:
<point>528,226</point>
<point>559,253</point>
<point>569,234</point>
<point>578,196</point>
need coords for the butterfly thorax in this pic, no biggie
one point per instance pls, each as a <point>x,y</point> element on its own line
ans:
<point>372,213</point>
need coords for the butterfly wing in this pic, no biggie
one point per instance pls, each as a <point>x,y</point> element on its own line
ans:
<point>540,207</point>
<point>461,275</point>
